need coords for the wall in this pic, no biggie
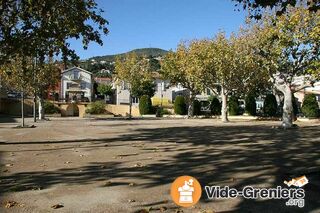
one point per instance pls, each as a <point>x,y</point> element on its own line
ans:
<point>122,110</point>
<point>70,109</point>
<point>13,106</point>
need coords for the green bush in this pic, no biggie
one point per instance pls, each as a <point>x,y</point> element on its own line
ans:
<point>180,107</point>
<point>270,105</point>
<point>196,107</point>
<point>233,105</point>
<point>250,102</point>
<point>310,107</point>
<point>50,108</point>
<point>215,105</point>
<point>295,106</point>
<point>95,108</point>
<point>160,111</point>
<point>145,105</point>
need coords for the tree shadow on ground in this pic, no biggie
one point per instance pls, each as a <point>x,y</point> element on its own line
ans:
<point>236,156</point>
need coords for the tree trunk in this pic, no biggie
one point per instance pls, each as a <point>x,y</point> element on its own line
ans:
<point>34,108</point>
<point>22,108</point>
<point>287,114</point>
<point>224,108</point>
<point>41,109</point>
<point>191,106</point>
<point>284,88</point>
<point>130,106</point>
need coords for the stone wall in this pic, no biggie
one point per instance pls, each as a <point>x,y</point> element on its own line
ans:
<point>122,110</point>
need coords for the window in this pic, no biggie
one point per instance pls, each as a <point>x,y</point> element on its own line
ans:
<point>76,75</point>
<point>83,85</point>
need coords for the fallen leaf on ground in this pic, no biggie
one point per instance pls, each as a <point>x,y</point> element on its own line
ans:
<point>9,165</point>
<point>163,208</point>
<point>179,211</point>
<point>132,184</point>
<point>67,162</point>
<point>206,211</point>
<point>57,206</point>
<point>131,201</point>
<point>10,204</point>
<point>138,165</point>
<point>6,170</point>
<point>142,211</point>
<point>108,183</point>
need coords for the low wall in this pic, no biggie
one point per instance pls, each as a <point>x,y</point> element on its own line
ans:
<point>13,106</point>
<point>122,110</point>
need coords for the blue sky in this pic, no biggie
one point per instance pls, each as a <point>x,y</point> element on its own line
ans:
<point>161,23</point>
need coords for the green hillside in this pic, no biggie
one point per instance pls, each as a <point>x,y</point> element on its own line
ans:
<point>143,51</point>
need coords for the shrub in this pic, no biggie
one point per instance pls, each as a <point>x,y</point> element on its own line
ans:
<point>145,105</point>
<point>233,105</point>
<point>251,107</point>
<point>180,107</point>
<point>215,105</point>
<point>310,107</point>
<point>196,107</point>
<point>50,108</point>
<point>295,107</point>
<point>160,111</point>
<point>270,105</point>
<point>97,107</point>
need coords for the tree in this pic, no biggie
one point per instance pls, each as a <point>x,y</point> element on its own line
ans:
<point>180,105</point>
<point>310,107</point>
<point>143,87</point>
<point>233,104</point>
<point>182,67</point>
<point>229,64</point>
<point>38,29</point>
<point>145,105</point>
<point>105,90</point>
<point>256,7</point>
<point>250,104</point>
<point>215,105</point>
<point>270,105</point>
<point>133,71</point>
<point>288,46</point>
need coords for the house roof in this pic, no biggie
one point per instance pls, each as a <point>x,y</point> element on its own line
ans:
<point>83,70</point>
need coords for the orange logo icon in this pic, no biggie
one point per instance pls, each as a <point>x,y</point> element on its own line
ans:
<point>186,191</point>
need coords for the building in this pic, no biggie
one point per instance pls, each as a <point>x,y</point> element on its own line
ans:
<point>76,85</point>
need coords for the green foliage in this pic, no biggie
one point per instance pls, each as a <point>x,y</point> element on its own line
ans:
<point>105,89</point>
<point>233,105</point>
<point>50,108</point>
<point>270,105</point>
<point>145,105</point>
<point>215,105</point>
<point>196,107</point>
<point>180,107</point>
<point>96,108</point>
<point>294,106</point>
<point>144,87</point>
<point>160,111</point>
<point>154,52</point>
<point>310,107</point>
<point>251,107</point>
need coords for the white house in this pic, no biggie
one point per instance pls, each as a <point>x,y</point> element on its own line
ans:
<point>76,84</point>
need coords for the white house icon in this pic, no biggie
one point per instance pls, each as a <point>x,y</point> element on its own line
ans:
<point>186,192</point>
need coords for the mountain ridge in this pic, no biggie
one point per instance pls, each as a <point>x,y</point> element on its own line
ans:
<point>154,52</point>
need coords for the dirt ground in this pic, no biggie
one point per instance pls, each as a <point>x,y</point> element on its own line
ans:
<point>129,165</point>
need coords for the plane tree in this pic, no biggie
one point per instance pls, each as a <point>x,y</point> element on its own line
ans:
<point>288,46</point>
<point>41,29</point>
<point>133,72</point>
<point>182,67</point>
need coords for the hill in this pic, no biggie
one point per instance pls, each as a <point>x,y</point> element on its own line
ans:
<point>154,52</point>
